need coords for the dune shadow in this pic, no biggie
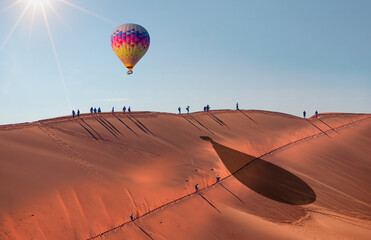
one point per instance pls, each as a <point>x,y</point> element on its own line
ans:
<point>264,177</point>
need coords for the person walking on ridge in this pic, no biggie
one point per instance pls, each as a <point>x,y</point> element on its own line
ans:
<point>113,109</point>
<point>207,107</point>
<point>179,110</point>
<point>78,112</point>
<point>304,114</point>
<point>73,113</point>
<point>316,114</point>
<point>217,178</point>
<point>237,108</point>
<point>95,110</point>
<point>99,110</point>
<point>124,109</point>
<point>196,187</point>
<point>129,110</point>
<point>91,110</point>
<point>132,217</point>
<point>187,108</point>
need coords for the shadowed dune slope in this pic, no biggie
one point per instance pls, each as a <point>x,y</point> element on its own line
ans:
<point>264,177</point>
<point>281,177</point>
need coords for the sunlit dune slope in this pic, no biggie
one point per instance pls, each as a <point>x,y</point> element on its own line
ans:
<point>281,177</point>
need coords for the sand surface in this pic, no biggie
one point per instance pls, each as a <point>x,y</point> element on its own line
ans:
<point>281,177</point>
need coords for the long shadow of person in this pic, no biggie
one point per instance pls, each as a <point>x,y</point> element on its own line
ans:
<point>264,177</point>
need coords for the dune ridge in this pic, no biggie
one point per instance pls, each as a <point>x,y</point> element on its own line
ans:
<point>152,156</point>
<point>230,175</point>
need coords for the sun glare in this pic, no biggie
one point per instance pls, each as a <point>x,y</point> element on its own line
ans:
<point>44,6</point>
<point>38,2</point>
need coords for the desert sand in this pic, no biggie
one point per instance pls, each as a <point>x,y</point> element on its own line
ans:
<point>281,176</point>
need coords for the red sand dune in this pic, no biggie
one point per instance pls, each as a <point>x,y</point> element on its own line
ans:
<point>82,178</point>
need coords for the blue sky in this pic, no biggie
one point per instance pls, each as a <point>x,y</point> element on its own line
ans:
<point>285,56</point>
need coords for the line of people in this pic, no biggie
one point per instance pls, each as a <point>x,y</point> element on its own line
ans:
<point>95,110</point>
<point>98,110</point>
<point>206,108</point>
<point>123,109</point>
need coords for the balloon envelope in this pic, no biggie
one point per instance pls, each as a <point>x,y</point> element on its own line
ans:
<point>130,42</point>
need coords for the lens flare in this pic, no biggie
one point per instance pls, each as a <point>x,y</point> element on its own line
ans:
<point>38,2</point>
<point>42,6</point>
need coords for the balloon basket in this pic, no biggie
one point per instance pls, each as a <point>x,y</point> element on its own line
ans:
<point>130,72</point>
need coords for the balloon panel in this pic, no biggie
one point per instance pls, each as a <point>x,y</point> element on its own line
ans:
<point>130,42</point>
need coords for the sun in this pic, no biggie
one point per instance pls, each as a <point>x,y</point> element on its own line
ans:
<point>45,8</point>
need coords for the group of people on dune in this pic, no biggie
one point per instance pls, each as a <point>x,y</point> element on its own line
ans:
<point>123,110</point>
<point>98,110</point>
<point>206,109</point>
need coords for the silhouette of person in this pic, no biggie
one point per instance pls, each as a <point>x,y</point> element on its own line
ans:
<point>124,109</point>
<point>237,108</point>
<point>304,114</point>
<point>316,114</point>
<point>78,112</point>
<point>187,108</point>
<point>113,109</point>
<point>73,113</point>
<point>207,107</point>
<point>129,110</point>
<point>196,187</point>
<point>217,178</point>
<point>99,110</point>
<point>132,217</point>
<point>179,110</point>
<point>95,110</point>
<point>91,110</point>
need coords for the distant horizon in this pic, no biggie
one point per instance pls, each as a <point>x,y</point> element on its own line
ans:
<point>174,113</point>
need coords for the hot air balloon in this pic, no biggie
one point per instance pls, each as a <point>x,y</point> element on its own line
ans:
<point>130,42</point>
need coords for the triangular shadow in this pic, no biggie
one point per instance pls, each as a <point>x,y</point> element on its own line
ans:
<point>264,177</point>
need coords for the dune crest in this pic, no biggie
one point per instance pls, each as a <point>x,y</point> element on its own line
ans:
<point>280,176</point>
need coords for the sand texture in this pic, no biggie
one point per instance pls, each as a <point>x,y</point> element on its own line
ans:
<point>281,177</point>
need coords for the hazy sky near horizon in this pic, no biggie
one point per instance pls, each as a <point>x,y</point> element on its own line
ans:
<point>285,56</point>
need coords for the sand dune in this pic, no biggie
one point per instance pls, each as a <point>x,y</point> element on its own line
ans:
<point>281,177</point>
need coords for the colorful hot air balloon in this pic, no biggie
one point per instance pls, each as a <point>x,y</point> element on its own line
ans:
<point>130,42</point>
